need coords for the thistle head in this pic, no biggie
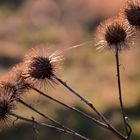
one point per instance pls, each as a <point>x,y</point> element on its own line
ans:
<point>131,12</point>
<point>115,34</point>
<point>7,102</point>
<point>12,86</point>
<point>41,68</point>
<point>15,80</point>
<point>41,64</point>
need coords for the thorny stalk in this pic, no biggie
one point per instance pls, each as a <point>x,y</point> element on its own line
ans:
<point>92,107</point>
<point>48,126</point>
<point>81,97</point>
<point>48,118</point>
<point>126,125</point>
<point>110,128</point>
<point>71,108</point>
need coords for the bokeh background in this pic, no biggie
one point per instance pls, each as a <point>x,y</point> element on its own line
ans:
<point>64,23</point>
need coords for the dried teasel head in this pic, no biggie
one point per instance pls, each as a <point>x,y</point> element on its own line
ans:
<point>15,80</point>
<point>115,34</point>
<point>131,11</point>
<point>7,102</point>
<point>41,65</point>
<point>12,86</point>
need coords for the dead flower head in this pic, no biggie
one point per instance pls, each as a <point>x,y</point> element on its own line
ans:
<point>7,102</point>
<point>115,34</point>
<point>131,11</point>
<point>41,64</point>
<point>15,80</point>
<point>12,86</point>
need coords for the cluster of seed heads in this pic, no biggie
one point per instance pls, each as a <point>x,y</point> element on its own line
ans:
<point>37,69</point>
<point>119,32</point>
<point>41,63</point>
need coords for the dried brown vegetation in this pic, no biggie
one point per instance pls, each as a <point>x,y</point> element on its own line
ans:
<point>40,66</point>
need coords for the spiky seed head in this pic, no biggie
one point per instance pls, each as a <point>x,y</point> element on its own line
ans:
<point>131,12</point>
<point>41,68</point>
<point>115,34</point>
<point>41,64</point>
<point>15,80</point>
<point>12,86</point>
<point>7,102</point>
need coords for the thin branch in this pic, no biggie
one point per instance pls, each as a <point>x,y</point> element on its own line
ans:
<point>71,108</point>
<point>80,112</point>
<point>38,112</point>
<point>48,126</point>
<point>110,127</point>
<point>126,125</point>
<point>48,118</point>
<point>15,121</point>
<point>35,131</point>
<point>82,98</point>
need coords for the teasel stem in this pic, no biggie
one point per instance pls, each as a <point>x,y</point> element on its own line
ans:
<point>48,126</point>
<point>93,108</point>
<point>35,131</point>
<point>71,108</point>
<point>99,123</point>
<point>82,98</point>
<point>126,125</point>
<point>48,118</point>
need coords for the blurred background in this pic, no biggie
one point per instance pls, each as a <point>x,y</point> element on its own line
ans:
<point>64,23</point>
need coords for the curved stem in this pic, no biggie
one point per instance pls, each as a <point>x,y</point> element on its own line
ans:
<point>126,125</point>
<point>48,118</point>
<point>48,126</point>
<point>110,127</point>
<point>82,98</point>
<point>71,108</point>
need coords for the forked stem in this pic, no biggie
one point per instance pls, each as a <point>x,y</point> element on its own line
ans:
<point>110,127</point>
<point>126,125</point>
<point>48,126</point>
<point>50,119</point>
<point>81,97</point>
<point>71,108</point>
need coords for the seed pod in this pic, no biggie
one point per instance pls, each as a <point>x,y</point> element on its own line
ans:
<point>115,34</point>
<point>41,65</point>
<point>7,102</point>
<point>131,11</point>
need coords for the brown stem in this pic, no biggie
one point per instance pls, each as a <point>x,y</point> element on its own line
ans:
<point>48,118</point>
<point>126,125</point>
<point>110,127</point>
<point>35,131</point>
<point>48,126</point>
<point>82,98</point>
<point>71,108</point>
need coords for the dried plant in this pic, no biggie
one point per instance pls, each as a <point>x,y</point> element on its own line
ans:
<point>7,103</point>
<point>40,69</point>
<point>115,34</point>
<point>131,11</point>
<point>40,66</point>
